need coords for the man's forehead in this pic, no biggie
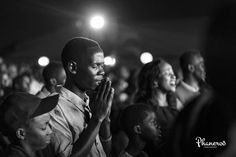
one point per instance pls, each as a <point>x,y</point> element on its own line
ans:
<point>98,57</point>
<point>198,59</point>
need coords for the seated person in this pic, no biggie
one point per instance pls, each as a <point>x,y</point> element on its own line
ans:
<point>140,124</point>
<point>25,121</point>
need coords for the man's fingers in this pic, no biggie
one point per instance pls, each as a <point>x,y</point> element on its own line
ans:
<point>98,92</point>
<point>107,90</point>
<point>102,88</point>
<point>110,97</point>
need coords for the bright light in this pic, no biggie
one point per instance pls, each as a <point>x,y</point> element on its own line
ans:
<point>97,22</point>
<point>110,61</point>
<point>146,57</point>
<point>43,61</point>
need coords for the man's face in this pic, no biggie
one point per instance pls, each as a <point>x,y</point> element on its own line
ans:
<point>90,71</point>
<point>167,79</point>
<point>150,128</point>
<point>61,77</point>
<point>199,68</point>
<point>38,134</point>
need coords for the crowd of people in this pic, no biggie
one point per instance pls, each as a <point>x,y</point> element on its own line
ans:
<point>73,108</point>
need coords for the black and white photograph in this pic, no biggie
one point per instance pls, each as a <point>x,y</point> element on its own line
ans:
<point>117,78</point>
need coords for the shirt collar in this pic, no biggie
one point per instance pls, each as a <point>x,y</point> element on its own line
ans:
<point>74,98</point>
<point>191,88</point>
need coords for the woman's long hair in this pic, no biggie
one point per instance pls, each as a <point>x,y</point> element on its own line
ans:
<point>147,75</point>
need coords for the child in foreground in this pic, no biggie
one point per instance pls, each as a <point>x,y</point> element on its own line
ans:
<point>139,122</point>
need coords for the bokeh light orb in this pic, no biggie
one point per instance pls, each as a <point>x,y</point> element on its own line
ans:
<point>146,57</point>
<point>97,22</point>
<point>109,61</point>
<point>43,61</point>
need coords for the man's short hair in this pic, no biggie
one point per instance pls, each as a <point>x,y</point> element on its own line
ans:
<point>76,47</point>
<point>52,70</point>
<point>187,58</point>
<point>134,115</point>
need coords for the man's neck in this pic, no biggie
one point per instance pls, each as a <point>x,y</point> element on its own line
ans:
<point>28,150</point>
<point>50,89</point>
<point>135,146</point>
<point>191,81</point>
<point>160,97</point>
<point>73,88</point>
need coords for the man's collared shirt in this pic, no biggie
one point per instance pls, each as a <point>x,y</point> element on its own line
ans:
<point>68,122</point>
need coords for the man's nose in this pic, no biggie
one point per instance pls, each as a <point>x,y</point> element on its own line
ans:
<point>49,130</point>
<point>101,71</point>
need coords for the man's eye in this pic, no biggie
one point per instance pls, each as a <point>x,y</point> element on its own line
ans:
<point>44,128</point>
<point>94,66</point>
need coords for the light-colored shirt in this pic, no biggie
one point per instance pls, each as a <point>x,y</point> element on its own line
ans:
<point>186,93</point>
<point>68,122</point>
<point>190,88</point>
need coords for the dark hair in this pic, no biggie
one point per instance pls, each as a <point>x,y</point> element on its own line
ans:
<point>187,58</point>
<point>133,115</point>
<point>146,76</point>
<point>220,49</point>
<point>52,70</point>
<point>7,130</point>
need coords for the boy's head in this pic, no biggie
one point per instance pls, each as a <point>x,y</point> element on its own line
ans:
<point>140,120</point>
<point>54,74</point>
<point>25,118</point>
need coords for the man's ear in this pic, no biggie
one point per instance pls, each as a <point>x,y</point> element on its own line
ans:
<point>53,81</point>
<point>191,68</point>
<point>137,129</point>
<point>72,67</point>
<point>20,133</point>
<point>155,84</point>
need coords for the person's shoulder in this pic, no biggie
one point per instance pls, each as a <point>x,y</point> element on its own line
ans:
<point>15,151</point>
<point>180,87</point>
<point>123,153</point>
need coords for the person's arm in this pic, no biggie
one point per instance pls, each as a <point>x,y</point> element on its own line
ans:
<point>84,144</point>
<point>106,136</point>
<point>101,108</point>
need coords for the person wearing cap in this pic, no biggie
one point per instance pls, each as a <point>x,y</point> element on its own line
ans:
<point>25,121</point>
<point>82,126</point>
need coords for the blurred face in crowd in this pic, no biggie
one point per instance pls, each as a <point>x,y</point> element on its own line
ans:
<point>167,79</point>
<point>38,134</point>
<point>199,68</point>
<point>61,77</point>
<point>150,128</point>
<point>90,70</point>
<point>12,70</point>
<point>26,81</point>
<point>6,81</point>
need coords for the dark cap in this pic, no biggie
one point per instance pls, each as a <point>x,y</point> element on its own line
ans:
<point>77,46</point>
<point>20,107</point>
